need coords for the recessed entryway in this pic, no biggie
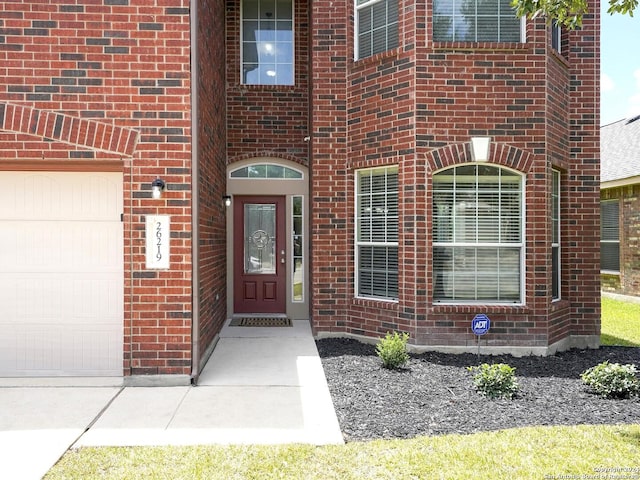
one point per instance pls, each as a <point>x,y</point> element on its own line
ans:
<point>267,238</point>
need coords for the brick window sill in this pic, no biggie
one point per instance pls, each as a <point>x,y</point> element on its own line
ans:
<point>481,46</point>
<point>479,308</point>
<point>382,304</point>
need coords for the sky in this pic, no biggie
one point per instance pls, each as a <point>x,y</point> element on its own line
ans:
<point>620,66</point>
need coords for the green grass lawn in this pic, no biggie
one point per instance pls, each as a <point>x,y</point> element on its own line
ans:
<point>620,323</point>
<point>528,453</point>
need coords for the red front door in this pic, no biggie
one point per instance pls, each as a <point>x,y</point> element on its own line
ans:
<point>259,255</point>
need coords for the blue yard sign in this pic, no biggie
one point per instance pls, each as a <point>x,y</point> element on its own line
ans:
<point>480,324</point>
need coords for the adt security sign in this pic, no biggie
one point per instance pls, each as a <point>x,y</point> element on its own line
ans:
<point>480,324</point>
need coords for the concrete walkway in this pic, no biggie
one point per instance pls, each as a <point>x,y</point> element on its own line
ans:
<point>260,386</point>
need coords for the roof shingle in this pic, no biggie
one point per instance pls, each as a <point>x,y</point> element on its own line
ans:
<point>620,150</point>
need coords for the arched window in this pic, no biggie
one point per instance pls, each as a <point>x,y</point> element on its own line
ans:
<point>478,235</point>
<point>266,170</point>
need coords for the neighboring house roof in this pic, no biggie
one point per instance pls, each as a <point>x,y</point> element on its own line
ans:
<point>620,153</point>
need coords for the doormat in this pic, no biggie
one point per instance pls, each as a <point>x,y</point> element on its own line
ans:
<point>260,322</point>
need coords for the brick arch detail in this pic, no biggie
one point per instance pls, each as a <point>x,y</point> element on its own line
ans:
<point>499,153</point>
<point>68,129</point>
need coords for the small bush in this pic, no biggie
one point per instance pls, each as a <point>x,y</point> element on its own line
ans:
<point>612,380</point>
<point>392,350</point>
<point>496,380</point>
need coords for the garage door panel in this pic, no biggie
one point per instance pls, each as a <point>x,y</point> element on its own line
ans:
<point>54,350</point>
<point>55,246</point>
<point>61,274</point>
<point>61,196</point>
<point>62,298</point>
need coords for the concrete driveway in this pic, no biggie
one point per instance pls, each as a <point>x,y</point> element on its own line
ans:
<point>260,386</point>
<point>39,424</point>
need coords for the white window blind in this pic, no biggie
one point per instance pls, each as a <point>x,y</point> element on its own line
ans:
<point>377,26</point>
<point>475,21</point>
<point>477,248</point>
<point>377,232</point>
<point>610,235</point>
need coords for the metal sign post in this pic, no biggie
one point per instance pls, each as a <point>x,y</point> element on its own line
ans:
<point>479,326</point>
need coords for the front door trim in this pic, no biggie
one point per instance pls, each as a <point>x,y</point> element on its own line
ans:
<point>286,188</point>
<point>260,255</point>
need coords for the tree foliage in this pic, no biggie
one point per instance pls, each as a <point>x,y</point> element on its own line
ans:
<point>568,12</point>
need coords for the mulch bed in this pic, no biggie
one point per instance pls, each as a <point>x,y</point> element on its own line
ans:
<point>434,394</point>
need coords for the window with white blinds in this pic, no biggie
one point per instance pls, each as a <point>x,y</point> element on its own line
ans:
<point>555,236</point>
<point>610,235</point>
<point>377,233</point>
<point>476,21</point>
<point>376,26</point>
<point>477,238</point>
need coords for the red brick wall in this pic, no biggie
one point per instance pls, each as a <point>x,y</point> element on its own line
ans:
<point>212,171</point>
<point>583,182</point>
<point>332,185</point>
<point>113,66</point>
<point>557,141</point>
<point>417,107</point>
<point>268,120</point>
<point>628,281</point>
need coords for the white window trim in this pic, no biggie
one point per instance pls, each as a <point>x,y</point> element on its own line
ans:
<point>303,234</point>
<point>258,164</point>
<point>557,27</point>
<point>293,47</point>
<point>523,34</point>
<point>522,245</point>
<point>357,243</point>
<point>557,174</point>
<point>357,25</point>
<point>612,272</point>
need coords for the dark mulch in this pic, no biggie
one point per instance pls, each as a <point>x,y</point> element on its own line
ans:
<point>435,394</point>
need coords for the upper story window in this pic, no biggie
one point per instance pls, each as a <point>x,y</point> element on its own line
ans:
<point>377,26</point>
<point>476,21</point>
<point>267,42</point>
<point>556,36</point>
<point>478,235</point>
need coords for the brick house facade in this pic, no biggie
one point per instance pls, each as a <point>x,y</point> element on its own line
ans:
<point>619,207</point>
<point>183,91</point>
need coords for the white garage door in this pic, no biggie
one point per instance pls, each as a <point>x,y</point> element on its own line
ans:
<point>61,274</point>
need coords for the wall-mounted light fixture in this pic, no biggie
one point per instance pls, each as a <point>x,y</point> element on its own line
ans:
<point>480,148</point>
<point>157,186</point>
<point>227,200</point>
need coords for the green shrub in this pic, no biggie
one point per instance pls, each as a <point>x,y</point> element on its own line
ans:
<point>496,380</point>
<point>612,380</point>
<point>392,349</point>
